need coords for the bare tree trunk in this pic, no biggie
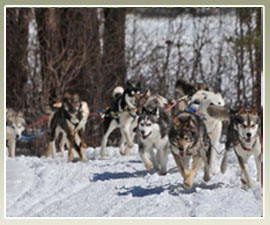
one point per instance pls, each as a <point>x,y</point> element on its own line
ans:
<point>114,65</point>
<point>258,57</point>
<point>16,56</point>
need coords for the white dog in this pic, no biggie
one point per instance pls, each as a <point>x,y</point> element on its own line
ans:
<point>200,101</point>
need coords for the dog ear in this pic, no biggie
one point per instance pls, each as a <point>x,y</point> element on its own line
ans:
<point>242,110</point>
<point>143,110</point>
<point>20,114</point>
<point>8,123</point>
<point>147,93</point>
<point>138,85</point>
<point>128,84</point>
<point>176,122</point>
<point>156,112</point>
<point>238,119</point>
<point>253,111</point>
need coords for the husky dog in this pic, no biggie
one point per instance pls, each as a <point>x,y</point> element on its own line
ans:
<point>153,128</point>
<point>199,102</point>
<point>183,88</point>
<point>69,119</point>
<point>189,139</point>
<point>155,100</point>
<point>15,124</point>
<point>79,130</point>
<point>243,136</point>
<point>122,114</point>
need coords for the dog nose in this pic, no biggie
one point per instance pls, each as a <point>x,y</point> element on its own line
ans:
<point>248,134</point>
<point>181,149</point>
<point>17,136</point>
<point>142,132</point>
<point>196,101</point>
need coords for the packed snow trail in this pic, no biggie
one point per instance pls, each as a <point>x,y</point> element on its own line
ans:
<point>121,187</point>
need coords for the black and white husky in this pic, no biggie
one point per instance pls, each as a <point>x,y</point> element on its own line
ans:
<point>122,114</point>
<point>153,128</point>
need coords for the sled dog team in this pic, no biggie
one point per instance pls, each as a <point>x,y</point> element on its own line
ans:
<point>189,127</point>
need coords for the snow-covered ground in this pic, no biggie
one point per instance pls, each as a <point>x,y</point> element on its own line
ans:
<point>121,187</point>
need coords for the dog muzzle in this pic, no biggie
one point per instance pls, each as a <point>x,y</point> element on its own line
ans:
<point>146,136</point>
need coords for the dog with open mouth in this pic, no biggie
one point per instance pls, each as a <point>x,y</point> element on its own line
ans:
<point>152,130</point>
<point>189,140</point>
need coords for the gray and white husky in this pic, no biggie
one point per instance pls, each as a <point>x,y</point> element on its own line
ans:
<point>153,128</point>
<point>15,124</point>
<point>243,136</point>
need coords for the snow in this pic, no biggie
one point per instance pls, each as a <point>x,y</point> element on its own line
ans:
<point>120,186</point>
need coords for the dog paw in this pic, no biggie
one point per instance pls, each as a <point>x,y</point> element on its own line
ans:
<point>123,152</point>
<point>243,181</point>
<point>84,145</point>
<point>148,166</point>
<point>206,177</point>
<point>84,160</point>
<point>162,173</point>
<point>187,185</point>
<point>130,145</point>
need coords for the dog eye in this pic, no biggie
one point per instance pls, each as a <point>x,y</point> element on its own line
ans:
<point>148,124</point>
<point>12,127</point>
<point>211,103</point>
<point>244,125</point>
<point>186,138</point>
<point>219,103</point>
<point>142,124</point>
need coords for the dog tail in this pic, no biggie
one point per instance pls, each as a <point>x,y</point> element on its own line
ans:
<point>218,112</point>
<point>117,92</point>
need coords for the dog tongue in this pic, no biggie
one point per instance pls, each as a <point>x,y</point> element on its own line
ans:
<point>182,154</point>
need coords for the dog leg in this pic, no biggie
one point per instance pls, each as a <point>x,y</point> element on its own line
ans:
<point>154,159</point>
<point>49,149</point>
<point>206,168</point>
<point>62,144</point>
<point>70,155</point>
<point>112,127</point>
<point>53,149</point>
<point>245,178</point>
<point>181,166</point>
<point>195,166</point>
<point>223,166</point>
<point>144,154</point>
<point>258,166</point>
<point>75,146</point>
<point>126,132</point>
<point>123,146</point>
<point>83,142</point>
<point>12,147</point>
<point>162,159</point>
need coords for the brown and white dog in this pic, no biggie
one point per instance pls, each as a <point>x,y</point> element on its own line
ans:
<point>69,118</point>
<point>243,136</point>
<point>189,140</point>
<point>15,124</point>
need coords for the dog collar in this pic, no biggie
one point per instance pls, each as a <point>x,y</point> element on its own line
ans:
<point>245,148</point>
<point>196,112</point>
